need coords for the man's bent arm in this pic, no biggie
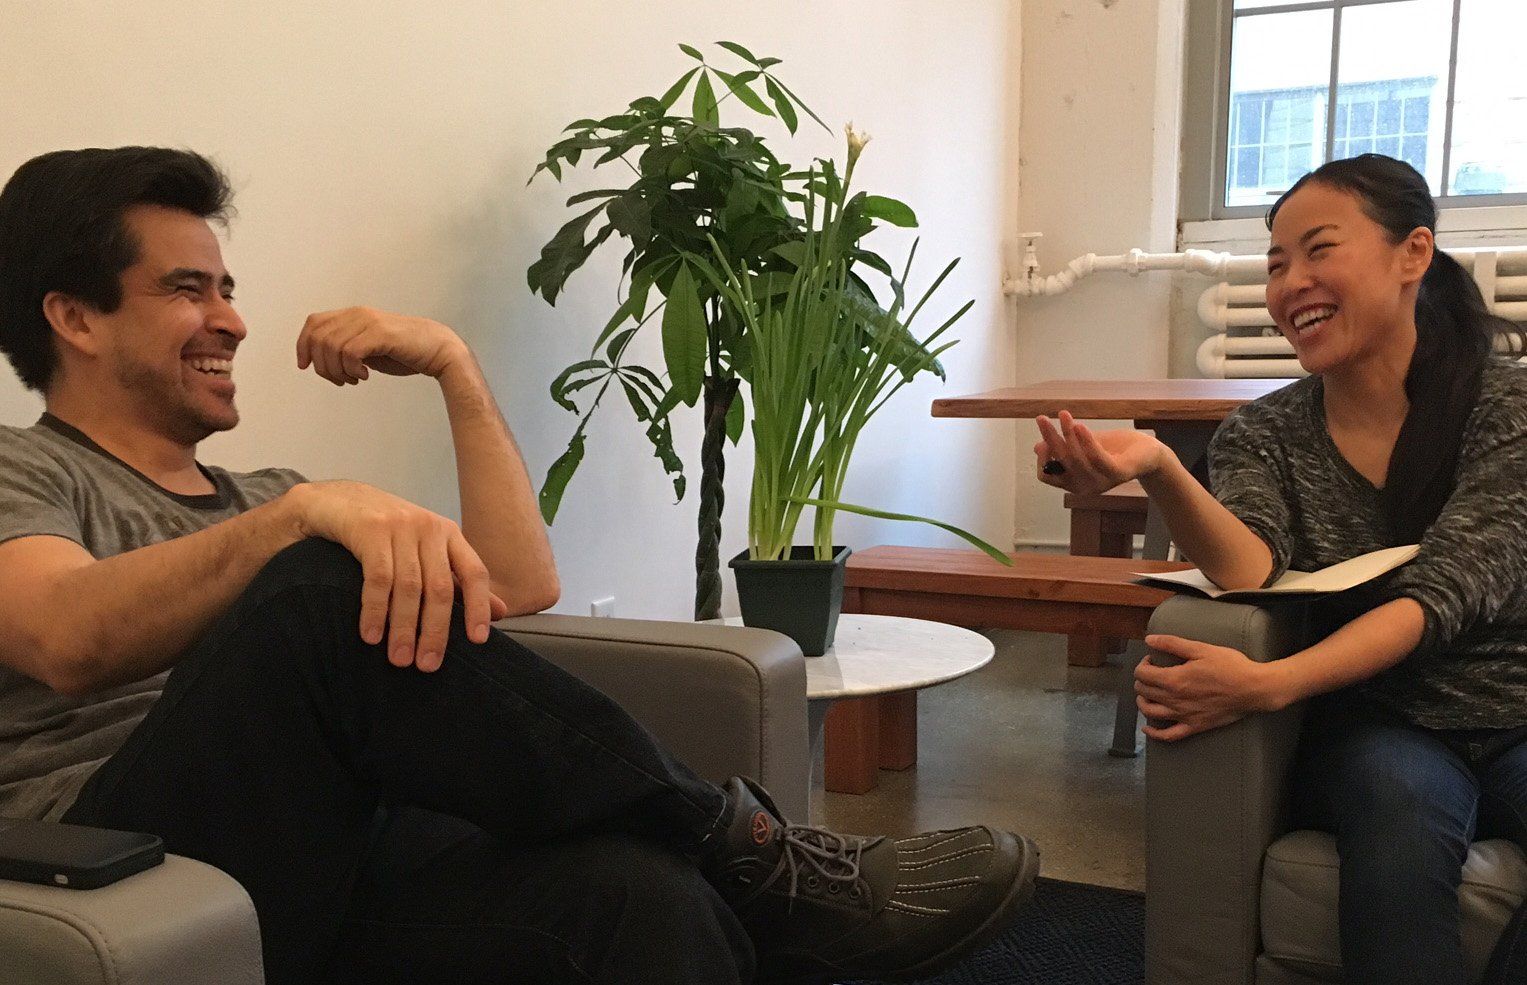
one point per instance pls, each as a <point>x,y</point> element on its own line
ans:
<point>80,625</point>
<point>499,514</point>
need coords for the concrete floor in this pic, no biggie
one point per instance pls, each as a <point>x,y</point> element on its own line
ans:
<point>1020,744</point>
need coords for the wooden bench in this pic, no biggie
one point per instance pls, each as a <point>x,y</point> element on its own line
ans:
<point>1048,593</point>
<point>1103,525</point>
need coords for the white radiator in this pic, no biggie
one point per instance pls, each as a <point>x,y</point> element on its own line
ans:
<point>1247,344</point>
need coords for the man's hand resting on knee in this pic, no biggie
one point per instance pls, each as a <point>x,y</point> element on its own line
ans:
<point>413,561</point>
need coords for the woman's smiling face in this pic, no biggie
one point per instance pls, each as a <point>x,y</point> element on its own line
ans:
<point>1338,288</point>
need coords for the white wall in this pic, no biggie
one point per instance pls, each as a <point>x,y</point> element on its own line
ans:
<point>381,150</point>
<point>1101,87</point>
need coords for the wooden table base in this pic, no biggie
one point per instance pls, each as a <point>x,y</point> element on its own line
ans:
<point>865,735</point>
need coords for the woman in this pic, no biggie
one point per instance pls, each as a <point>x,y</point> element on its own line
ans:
<point>1408,430</point>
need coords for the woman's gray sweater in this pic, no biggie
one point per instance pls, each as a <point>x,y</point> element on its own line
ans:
<point>1275,466</point>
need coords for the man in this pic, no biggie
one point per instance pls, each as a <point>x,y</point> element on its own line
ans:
<point>274,675</point>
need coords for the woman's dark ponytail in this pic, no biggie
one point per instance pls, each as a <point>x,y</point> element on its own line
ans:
<point>1455,337</point>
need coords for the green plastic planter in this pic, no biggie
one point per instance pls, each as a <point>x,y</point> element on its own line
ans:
<point>800,597</point>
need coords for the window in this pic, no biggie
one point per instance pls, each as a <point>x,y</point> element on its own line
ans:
<point>1437,83</point>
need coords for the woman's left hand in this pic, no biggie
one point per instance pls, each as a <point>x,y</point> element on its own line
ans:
<point>1214,686</point>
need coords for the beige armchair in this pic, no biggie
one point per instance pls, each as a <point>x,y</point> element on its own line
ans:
<point>1233,897</point>
<point>725,700</point>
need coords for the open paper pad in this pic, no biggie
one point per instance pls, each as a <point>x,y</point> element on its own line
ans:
<point>1336,578</point>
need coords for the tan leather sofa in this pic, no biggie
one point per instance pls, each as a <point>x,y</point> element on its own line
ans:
<point>1233,897</point>
<point>726,700</point>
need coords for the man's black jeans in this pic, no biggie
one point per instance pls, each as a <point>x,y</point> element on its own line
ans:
<point>495,821</point>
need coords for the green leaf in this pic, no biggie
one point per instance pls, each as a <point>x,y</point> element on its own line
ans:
<point>739,88</point>
<point>793,251</point>
<point>829,504</point>
<point>561,255</point>
<point>782,104</point>
<point>705,102</point>
<point>559,386</point>
<point>874,261</point>
<point>677,89</point>
<point>636,399</point>
<point>669,403</point>
<point>618,344</point>
<point>632,217</point>
<point>557,476</point>
<point>660,433</point>
<point>736,418</point>
<point>582,197</point>
<point>684,340</point>
<point>692,52</point>
<point>646,380</point>
<point>766,63</point>
<point>889,210</point>
<point>738,50</point>
<point>797,100</point>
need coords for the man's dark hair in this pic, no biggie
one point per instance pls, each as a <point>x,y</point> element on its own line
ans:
<point>62,229</point>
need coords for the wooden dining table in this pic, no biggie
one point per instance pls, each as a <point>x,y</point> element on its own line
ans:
<point>1184,415</point>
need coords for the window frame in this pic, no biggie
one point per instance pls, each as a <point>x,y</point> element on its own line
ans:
<point>1206,119</point>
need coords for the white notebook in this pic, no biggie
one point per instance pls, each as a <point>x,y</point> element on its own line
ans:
<point>1336,578</point>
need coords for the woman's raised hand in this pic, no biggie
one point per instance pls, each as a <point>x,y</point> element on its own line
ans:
<point>1093,463</point>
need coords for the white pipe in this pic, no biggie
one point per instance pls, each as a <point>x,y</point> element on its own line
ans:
<point>1207,262</point>
<point>1215,307</point>
<point>1134,263</point>
<point>1255,345</point>
<point>1214,362</point>
<point>1214,356</point>
<point>1510,287</point>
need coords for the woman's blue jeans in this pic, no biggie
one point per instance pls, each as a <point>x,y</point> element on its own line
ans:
<point>1404,804</point>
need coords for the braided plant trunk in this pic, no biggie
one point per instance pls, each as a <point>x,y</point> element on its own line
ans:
<point>719,394</point>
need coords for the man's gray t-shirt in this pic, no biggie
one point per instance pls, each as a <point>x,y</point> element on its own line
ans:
<point>56,481</point>
<point>1274,465</point>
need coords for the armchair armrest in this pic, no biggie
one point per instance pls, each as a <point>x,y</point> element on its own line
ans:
<point>724,699</point>
<point>1214,802</point>
<point>180,923</point>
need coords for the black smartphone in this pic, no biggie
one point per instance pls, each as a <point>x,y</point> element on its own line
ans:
<point>70,855</point>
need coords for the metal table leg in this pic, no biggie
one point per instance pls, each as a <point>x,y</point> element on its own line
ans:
<point>1126,715</point>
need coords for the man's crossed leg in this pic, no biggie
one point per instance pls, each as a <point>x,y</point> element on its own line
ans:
<point>500,821</point>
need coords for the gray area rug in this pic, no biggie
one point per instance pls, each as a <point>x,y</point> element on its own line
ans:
<point>1069,934</point>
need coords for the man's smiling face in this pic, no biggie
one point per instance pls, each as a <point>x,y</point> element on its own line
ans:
<point>169,346</point>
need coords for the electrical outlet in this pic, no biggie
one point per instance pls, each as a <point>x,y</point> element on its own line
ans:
<point>602,607</point>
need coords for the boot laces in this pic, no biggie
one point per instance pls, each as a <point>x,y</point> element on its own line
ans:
<point>817,851</point>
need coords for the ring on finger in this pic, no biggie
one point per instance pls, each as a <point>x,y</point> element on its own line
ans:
<point>1054,467</point>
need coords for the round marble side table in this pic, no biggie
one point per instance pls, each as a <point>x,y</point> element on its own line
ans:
<point>882,655</point>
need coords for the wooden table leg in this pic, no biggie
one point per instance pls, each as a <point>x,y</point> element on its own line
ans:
<point>1086,539</point>
<point>898,730</point>
<point>851,745</point>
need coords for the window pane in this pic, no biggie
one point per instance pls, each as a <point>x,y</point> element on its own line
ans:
<point>1413,152</point>
<point>1247,166</point>
<point>1393,67</point>
<point>1280,67</point>
<point>1362,116</point>
<point>1490,100</point>
<point>1256,4</point>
